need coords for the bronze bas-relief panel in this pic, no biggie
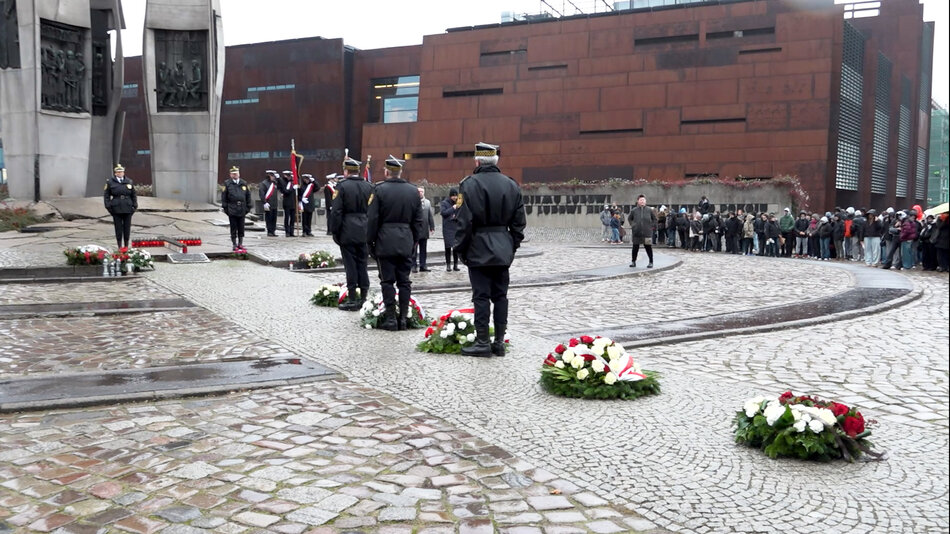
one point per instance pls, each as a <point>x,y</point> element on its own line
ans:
<point>10,36</point>
<point>181,70</point>
<point>63,67</point>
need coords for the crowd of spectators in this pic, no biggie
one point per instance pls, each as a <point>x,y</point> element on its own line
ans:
<point>899,239</point>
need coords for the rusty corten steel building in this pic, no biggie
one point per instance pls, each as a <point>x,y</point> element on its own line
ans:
<point>837,95</point>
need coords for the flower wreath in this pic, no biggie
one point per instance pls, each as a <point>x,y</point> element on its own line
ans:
<point>320,259</point>
<point>373,308</point>
<point>328,295</point>
<point>804,427</point>
<point>595,367</point>
<point>452,331</point>
<point>86,255</point>
<point>137,258</point>
<point>239,253</point>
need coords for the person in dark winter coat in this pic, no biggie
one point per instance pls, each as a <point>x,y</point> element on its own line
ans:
<point>695,232</point>
<point>703,206</point>
<point>838,236</point>
<point>773,235</point>
<point>941,241</point>
<point>267,192</point>
<point>682,228</point>
<point>449,212</point>
<point>306,204</point>
<point>491,222</point>
<point>420,251</point>
<point>642,221</point>
<point>348,226</point>
<point>394,223</point>
<point>825,230</point>
<point>236,202</point>
<point>858,229</point>
<point>732,232</point>
<point>873,231</point>
<point>120,201</point>
<point>801,235</point>
<point>759,224</point>
<point>289,190</point>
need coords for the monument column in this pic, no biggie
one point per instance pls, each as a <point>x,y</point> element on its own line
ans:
<point>107,76</point>
<point>45,96</point>
<point>183,75</point>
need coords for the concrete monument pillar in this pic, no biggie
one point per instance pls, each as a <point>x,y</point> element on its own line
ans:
<point>107,75</point>
<point>183,73</point>
<point>45,96</point>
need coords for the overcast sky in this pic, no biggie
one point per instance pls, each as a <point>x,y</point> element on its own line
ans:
<point>368,24</point>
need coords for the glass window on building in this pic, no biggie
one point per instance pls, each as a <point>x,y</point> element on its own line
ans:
<point>395,99</point>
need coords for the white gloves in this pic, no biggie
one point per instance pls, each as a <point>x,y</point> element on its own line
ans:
<point>300,206</point>
<point>306,201</point>
<point>296,186</point>
<point>267,206</point>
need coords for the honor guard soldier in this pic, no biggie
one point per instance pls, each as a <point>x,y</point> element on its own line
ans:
<point>348,226</point>
<point>236,202</point>
<point>394,224</point>
<point>121,202</point>
<point>306,205</point>
<point>268,194</point>
<point>491,222</point>
<point>289,189</point>
<point>328,190</point>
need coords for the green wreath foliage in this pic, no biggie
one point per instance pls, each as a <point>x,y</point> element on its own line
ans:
<point>593,387</point>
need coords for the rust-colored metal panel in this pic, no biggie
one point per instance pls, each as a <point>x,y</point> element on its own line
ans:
<point>610,65</point>
<point>447,108</point>
<point>506,105</point>
<point>802,66</point>
<point>707,112</point>
<point>767,116</point>
<point>633,97</point>
<point>436,132</point>
<point>806,25</point>
<point>793,87</point>
<point>810,114</point>
<point>615,43</point>
<point>699,93</point>
<point>551,102</point>
<point>456,56</point>
<point>603,80</point>
<point>547,85</point>
<point>728,72</point>
<point>611,120</point>
<point>558,47</point>
<point>662,122</point>
<point>549,127</point>
<point>499,130</point>
<point>582,100</point>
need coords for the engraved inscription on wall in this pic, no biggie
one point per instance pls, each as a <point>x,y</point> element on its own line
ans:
<point>9,36</point>
<point>181,59</point>
<point>63,67</point>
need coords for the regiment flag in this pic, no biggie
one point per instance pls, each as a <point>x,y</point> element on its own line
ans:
<point>296,160</point>
<point>366,174</point>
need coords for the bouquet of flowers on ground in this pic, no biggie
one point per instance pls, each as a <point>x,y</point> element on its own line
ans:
<point>594,367</point>
<point>86,255</point>
<point>327,295</point>
<point>240,253</point>
<point>320,259</point>
<point>372,311</point>
<point>803,427</point>
<point>140,259</point>
<point>450,332</point>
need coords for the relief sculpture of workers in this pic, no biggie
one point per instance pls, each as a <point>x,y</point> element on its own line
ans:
<point>9,35</point>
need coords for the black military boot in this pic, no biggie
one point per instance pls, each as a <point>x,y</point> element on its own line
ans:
<point>389,321</point>
<point>362,297</point>
<point>481,348</point>
<point>351,303</point>
<point>498,345</point>
<point>403,320</point>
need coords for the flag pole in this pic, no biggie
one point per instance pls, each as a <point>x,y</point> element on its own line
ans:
<point>296,173</point>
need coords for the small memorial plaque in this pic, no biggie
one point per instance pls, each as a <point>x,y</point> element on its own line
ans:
<point>190,257</point>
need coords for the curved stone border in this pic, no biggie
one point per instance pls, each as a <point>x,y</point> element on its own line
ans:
<point>872,287</point>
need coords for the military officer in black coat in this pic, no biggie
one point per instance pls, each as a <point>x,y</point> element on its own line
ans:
<point>348,226</point>
<point>236,202</point>
<point>306,204</point>
<point>268,193</point>
<point>394,223</point>
<point>121,202</point>
<point>289,190</point>
<point>328,190</point>
<point>491,222</point>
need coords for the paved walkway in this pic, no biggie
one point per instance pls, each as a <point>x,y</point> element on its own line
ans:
<point>430,443</point>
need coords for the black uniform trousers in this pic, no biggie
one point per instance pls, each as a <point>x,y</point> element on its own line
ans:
<point>354,263</point>
<point>123,228</point>
<point>270,220</point>
<point>237,226</point>
<point>393,273</point>
<point>306,220</point>
<point>419,252</point>
<point>489,286</point>
<point>290,218</point>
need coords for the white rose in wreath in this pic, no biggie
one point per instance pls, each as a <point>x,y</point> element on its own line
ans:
<point>470,337</point>
<point>610,379</point>
<point>582,374</point>
<point>462,325</point>
<point>598,366</point>
<point>577,363</point>
<point>613,352</point>
<point>559,364</point>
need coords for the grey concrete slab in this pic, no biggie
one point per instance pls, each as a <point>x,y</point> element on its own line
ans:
<point>9,311</point>
<point>84,389</point>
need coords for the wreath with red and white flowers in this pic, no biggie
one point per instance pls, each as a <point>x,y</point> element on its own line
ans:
<point>595,367</point>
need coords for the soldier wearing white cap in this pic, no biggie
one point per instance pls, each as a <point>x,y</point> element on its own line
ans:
<point>121,202</point>
<point>491,221</point>
<point>307,205</point>
<point>236,202</point>
<point>393,225</point>
<point>268,193</point>
<point>289,190</point>
<point>348,226</point>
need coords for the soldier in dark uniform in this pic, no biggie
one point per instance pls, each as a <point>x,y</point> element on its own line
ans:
<point>236,202</point>
<point>306,204</point>
<point>394,224</point>
<point>348,226</point>
<point>121,202</point>
<point>268,193</point>
<point>491,222</point>
<point>289,190</point>
<point>328,190</point>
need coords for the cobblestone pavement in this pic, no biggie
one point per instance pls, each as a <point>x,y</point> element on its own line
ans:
<point>669,457</point>
<point>106,342</point>
<point>136,288</point>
